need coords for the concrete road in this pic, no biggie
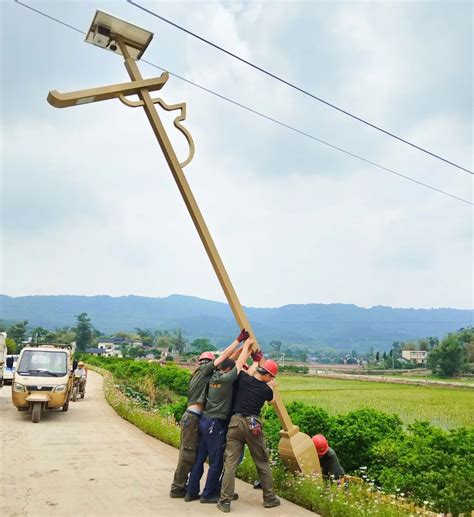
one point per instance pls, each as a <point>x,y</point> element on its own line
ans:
<point>90,462</point>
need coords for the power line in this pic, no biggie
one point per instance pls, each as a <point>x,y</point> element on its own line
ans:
<point>301,90</point>
<point>267,117</point>
<point>308,135</point>
<point>50,17</point>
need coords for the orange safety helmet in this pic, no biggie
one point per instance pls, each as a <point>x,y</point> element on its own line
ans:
<point>207,355</point>
<point>270,367</point>
<point>321,444</point>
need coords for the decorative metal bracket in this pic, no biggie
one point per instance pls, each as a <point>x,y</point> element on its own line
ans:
<point>176,122</point>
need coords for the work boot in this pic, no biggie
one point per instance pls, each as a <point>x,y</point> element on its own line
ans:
<point>210,500</point>
<point>271,503</point>
<point>224,506</point>
<point>177,494</point>
<point>215,499</point>
<point>188,498</point>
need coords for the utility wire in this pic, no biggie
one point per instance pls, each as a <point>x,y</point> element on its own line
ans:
<point>50,17</point>
<point>303,133</point>
<point>267,117</point>
<point>291,85</point>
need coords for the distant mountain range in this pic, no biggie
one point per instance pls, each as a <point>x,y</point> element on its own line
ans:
<point>314,325</point>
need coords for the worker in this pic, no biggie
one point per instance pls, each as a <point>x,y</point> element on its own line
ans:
<point>328,459</point>
<point>213,428</point>
<point>81,372</point>
<point>245,427</point>
<point>197,391</point>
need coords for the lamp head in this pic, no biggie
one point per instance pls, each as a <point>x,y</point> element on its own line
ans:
<point>105,28</point>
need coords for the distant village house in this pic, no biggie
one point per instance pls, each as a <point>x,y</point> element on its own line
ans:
<point>415,356</point>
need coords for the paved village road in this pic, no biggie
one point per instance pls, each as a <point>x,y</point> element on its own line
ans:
<point>90,462</point>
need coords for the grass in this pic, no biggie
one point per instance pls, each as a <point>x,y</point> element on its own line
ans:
<point>164,428</point>
<point>332,499</point>
<point>443,407</point>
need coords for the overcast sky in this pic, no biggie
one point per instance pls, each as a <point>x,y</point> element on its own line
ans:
<point>89,205</point>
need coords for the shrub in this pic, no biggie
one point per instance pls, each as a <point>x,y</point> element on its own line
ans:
<point>354,434</point>
<point>427,463</point>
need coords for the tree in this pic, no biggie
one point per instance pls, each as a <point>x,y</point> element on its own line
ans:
<point>384,356</point>
<point>38,334</point>
<point>61,335</point>
<point>203,344</point>
<point>135,351</point>
<point>146,336</point>
<point>163,339</point>
<point>17,332</point>
<point>409,345</point>
<point>466,335</point>
<point>11,345</point>
<point>377,357</point>
<point>423,344</point>
<point>275,345</point>
<point>448,358</point>
<point>178,341</point>
<point>432,342</point>
<point>84,331</point>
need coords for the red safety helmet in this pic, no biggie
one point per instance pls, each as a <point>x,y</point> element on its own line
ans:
<point>321,444</point>
<point>271,367</point>
<point>207,355</point>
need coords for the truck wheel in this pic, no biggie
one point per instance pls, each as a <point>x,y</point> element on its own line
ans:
<point>66,404</point>
<point>36,412</point>
<point>74,394</point>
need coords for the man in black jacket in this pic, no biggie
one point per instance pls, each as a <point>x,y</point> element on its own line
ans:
<point>245,427</point>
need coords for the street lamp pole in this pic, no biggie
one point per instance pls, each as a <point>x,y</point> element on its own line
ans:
<point>296,448</point>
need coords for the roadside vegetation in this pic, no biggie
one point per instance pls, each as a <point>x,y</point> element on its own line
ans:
<point>420,463</point>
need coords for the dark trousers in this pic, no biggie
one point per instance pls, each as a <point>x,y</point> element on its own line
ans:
<point>212,436</point>
<point>187,450</point>
<point>238,435</point>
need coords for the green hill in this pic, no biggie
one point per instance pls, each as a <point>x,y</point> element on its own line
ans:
<point>341,326</point>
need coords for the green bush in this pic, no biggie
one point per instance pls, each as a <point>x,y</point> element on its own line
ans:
<point>310,419</point>
<point>428,464</point>
<point>176,409</point>
<point>169,376</point>
<point>354,434</point>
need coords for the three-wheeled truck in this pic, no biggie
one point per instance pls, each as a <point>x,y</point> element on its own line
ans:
<point>43,379</point>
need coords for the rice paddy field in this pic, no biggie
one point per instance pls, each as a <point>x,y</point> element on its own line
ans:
<point>444,407</point>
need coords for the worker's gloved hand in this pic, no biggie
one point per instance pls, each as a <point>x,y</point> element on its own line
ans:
<point>257,356</point>
<point>242,336</point>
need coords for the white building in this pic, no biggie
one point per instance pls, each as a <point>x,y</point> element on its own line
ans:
<point>112,346</point>
<point>415,356</point>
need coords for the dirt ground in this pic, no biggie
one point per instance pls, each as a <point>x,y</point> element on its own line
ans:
<point>90,462</point>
